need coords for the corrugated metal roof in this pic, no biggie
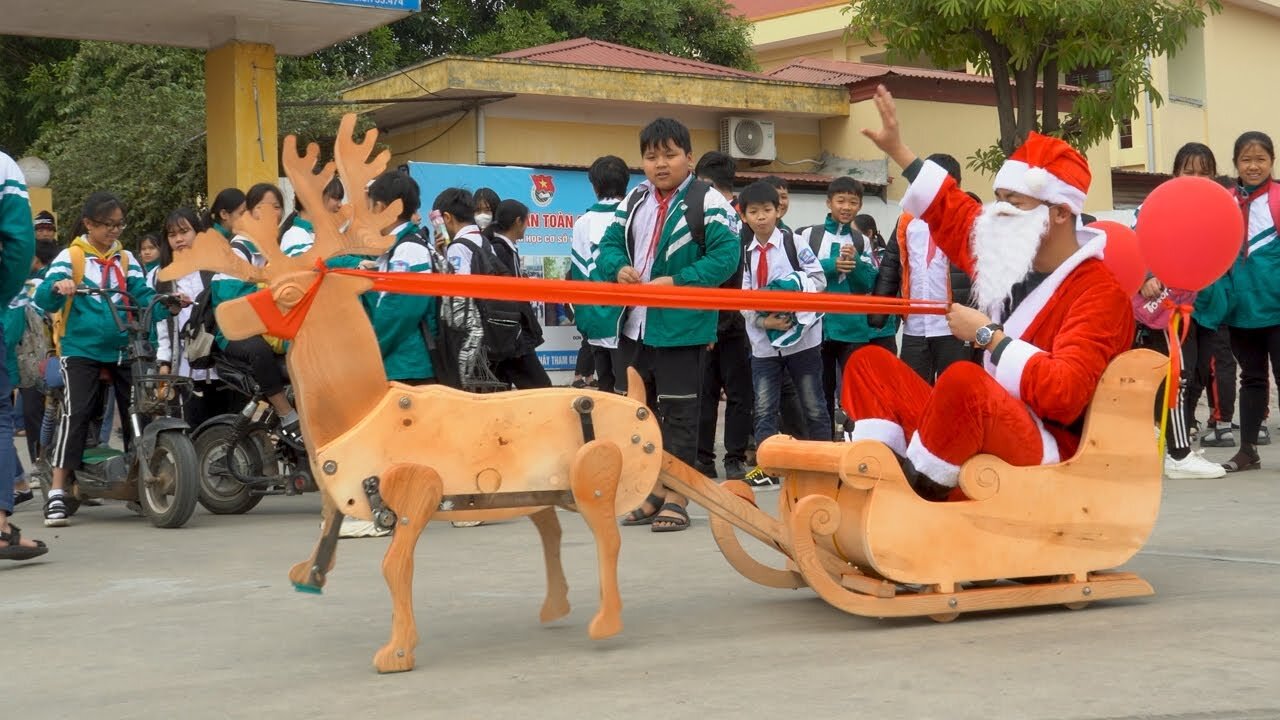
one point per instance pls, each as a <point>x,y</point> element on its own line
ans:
<point>761,9</point>
<point>586,51</point>
<point>842,72</point>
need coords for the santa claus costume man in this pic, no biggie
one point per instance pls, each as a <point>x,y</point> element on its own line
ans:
<point>1048,313</point>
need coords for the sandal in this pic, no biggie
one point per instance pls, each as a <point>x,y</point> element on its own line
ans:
<point>20,497</point>
<point>672,524</point>
<point>639,517</point>
<point>15,550</point>
<point>1242,462</point>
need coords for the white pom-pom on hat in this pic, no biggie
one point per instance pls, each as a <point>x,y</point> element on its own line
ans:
<point>1037,181</point>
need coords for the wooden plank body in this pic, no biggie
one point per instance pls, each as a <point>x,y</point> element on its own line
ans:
<point>490,443</point>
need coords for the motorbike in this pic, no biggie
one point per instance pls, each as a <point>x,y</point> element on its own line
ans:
<point>245,456</point>
<point>158,475</point>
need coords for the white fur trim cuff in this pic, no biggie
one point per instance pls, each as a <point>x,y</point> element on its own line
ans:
<point>1049,454</point>
<point>886,431</point>
<point>1038,183</point>
<point>921,193</point>
<point>1013,362</point>
<point>934,467</point>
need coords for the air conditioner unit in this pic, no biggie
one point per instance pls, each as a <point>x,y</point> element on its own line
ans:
<point>748,139</point>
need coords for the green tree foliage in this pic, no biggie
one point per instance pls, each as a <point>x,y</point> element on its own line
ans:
<point>1023,42</point>
<point>23,109</point>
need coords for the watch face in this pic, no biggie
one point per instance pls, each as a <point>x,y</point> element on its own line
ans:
<point>983,335</point>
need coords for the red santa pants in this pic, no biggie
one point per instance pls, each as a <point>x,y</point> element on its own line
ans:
<point>966,413</point>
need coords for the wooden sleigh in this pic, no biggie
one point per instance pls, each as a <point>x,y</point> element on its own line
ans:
<point>854,531</point>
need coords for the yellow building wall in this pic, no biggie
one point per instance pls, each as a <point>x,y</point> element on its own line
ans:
<point>1239,95</point>
<point>41,199</point>
<point>785,28</point>
<point>513,141</point>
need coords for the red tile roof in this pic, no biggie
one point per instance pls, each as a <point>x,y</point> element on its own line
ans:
<point>585,51</point>
<point>762,9</point>
<point>819,71</point>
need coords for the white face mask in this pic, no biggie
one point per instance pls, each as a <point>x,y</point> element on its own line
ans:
<point>483,220</point>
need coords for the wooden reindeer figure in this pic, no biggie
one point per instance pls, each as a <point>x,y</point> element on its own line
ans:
<point>402,456</point>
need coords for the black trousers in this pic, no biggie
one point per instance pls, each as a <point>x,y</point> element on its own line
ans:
<point>602,361</point>
<point>79,404</point>
<point>586,365</point>
<point>1215,372</point>
<point>524,371</point>
<point>210,398</point>
<point>32,417</point>
<point>1183,413</point>
<point>671,378</point>
<point>929,356</point>
<point>258,354</point>
<point>727,366</point>
<point>1258,351</point>
<point>835,355</point>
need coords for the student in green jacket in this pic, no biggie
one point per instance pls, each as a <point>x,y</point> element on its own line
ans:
<point>17,245</point>
<point>92,341</point>
<point>228,205</point>
<point>1254,318</point>
<point>846,258</point>
<point>650,242</point>
<point>400,321</point>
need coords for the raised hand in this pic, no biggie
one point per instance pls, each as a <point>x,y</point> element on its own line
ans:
<point>888,138</point>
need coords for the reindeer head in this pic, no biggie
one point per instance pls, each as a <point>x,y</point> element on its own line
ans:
<point>289,278</point>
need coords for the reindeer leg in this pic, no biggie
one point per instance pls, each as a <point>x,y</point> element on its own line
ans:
<point>413,492</point>
<point>310,575</point>
<point>556,605</point>
<point>593,476</point>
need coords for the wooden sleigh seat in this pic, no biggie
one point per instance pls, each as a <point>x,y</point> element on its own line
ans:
<point>856,532</point>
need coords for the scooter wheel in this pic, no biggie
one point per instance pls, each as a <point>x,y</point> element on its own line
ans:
<point>170,498</point>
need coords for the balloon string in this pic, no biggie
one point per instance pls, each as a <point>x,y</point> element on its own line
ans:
<point>1175,373</point>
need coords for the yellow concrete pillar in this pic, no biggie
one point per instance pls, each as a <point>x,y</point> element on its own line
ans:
<point>240,107</point>
<point>41,199</point>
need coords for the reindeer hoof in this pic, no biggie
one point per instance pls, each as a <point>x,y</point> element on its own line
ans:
<point>603,626</point>
<point>392,660</point>
<point>304,580</point>
<point>554,609</point>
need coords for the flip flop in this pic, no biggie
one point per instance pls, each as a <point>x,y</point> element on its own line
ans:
<point>15,550</point>
<point>673,524</point>
<point>637,516</point>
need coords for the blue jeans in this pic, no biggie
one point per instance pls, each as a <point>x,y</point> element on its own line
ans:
<point>8,451</point>
<point>805,369</point>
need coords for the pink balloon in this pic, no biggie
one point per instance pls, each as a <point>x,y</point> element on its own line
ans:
<point>1190,231</point>
<point>1122,255</point>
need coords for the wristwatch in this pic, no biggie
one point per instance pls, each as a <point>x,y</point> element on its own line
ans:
<point>985,333</point>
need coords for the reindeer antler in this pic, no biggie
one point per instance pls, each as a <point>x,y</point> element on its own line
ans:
<point>211,251</point>
<point>308,186</point>
<point>364,234</point>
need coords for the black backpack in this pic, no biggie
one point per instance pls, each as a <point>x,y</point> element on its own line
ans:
<point>788,246</point>
<point>503,319</point>
<point>198,331</point>
<point>818,232</point>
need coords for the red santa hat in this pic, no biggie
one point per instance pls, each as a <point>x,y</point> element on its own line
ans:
<point>1047,169</point>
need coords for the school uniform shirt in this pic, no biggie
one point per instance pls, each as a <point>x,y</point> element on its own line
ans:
<point>845,327</point>
<point>779,268</point>
<point>1255,294</point>
<point>168,343</point>
<point>459,254</point>
<point>677,256</point>
<point>91,331</point>
<point>298,239</point>
<point>398,319</point>
<point>928,279</point>
<point>17,234</point>
<point>597,323</point>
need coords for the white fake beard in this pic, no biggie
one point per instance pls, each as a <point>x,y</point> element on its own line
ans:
<point>1004,242</point>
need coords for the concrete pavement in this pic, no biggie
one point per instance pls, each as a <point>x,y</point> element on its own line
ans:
<point>121,620</point>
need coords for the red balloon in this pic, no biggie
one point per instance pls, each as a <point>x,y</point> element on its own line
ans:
<point>1190,231</point>
<point>1122,255</point>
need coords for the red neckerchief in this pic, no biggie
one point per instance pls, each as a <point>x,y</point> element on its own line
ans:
<point>112,269</point>
<point>1246,201</point>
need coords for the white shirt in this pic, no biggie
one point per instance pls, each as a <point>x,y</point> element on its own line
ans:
<point>644,220</point>
<point>459,254</point>
<point>515,254</point>
<point>168,346</point>
<point>588,231</point>
<point>779,266</point>
<point>929,281</point>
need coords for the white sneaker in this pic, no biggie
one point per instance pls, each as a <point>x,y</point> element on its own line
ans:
<point>355,528</point>
<point>1192,467</point>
